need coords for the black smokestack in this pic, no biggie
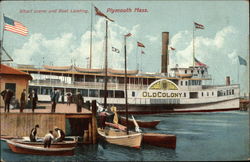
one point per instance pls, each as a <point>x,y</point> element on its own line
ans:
<point>164,56</point>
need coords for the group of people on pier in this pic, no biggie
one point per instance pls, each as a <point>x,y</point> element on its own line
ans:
<point>7,95</point>
<point>49,137</point>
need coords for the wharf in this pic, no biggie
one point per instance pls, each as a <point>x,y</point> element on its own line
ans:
<point>244,104</point>
<point>82,124</point>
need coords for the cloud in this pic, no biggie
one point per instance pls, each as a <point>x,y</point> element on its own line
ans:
<point>152,39</point>
<point>217,52</point>
<point>67,48</point>
<point>39,50</point>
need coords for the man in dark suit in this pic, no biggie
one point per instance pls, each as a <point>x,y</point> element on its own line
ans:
<point>23,100</point>
<point>79,102</point>
<point>7,95</point>
<point>54,99</point>
<point>33,98</point>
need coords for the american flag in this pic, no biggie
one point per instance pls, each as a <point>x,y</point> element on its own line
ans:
<point>128,35</point>
<point>172,48</point>
<point>198,63</point>
<point>99,13</point>
<point>14,26</point>
<point>199,26</point>
<point>140,44</point>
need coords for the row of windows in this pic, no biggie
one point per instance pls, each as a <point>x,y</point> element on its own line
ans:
<point>225,92</point>
<point>202,94</point>
<point>198,71</point>
<point>190,82</point>
<point>83,92</point>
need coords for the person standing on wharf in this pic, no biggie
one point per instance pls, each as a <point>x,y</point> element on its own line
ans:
<point>54,99</point>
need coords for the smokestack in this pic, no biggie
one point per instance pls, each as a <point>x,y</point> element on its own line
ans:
<point>164,56</point>
<point>228,80</point>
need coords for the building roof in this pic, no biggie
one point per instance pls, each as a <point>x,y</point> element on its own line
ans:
<point>4,69</point>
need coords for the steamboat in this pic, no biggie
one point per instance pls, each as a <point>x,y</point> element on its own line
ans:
<point>173,90</point>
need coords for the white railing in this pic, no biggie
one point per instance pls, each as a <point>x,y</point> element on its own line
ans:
<point>88,85</point>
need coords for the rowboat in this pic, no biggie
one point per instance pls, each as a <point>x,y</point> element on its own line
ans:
<point>34,150</point>
<point>63,144</point>
<point>143,124</point>
<point>119,137</point>
<point>161,140</point>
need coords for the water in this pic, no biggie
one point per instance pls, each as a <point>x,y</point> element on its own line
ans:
<point>200,136</point>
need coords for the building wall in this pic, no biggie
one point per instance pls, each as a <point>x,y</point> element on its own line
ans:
<point>20,124</point>
<point>20,81</point>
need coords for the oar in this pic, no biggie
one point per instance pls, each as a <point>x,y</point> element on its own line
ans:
<point>137,128</point>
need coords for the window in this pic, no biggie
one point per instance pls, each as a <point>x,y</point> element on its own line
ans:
<point>11,86</point>
<point>46,90</point>
<point>185,71</point>
<point>84,92</point>
<point>93,93</point>
<point>181,83</point>
<point>193,95</point>
<point>184,94</point>
<point>201,93</point>
<point>119,94</point>
<point>232,91</point>
<point>110,93</point>
<point>192,71</point>
<point>35,88</point>
<point>212,93</point>
<point>207,93</point>
<point>133,94</point>
<point>186,83</point>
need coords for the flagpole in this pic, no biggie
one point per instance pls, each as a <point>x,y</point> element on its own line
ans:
<point>1,41</point>
<point>238,77</point>
<point>137,68</point>
<point>193,44</point>
<point>141,60</point>
<point>125,82</point>
<point>91,34</point>
<point>106,67</point>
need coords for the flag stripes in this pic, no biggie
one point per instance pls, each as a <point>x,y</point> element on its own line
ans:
<point>198,63</point>
<point>199,26</point>
<point>128,35</point>
<point>172,48</point>
<point>15,27</point>
<point>99,13</point>
<point>140,45</point>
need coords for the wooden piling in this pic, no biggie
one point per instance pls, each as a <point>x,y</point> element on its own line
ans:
<point>94,122</point>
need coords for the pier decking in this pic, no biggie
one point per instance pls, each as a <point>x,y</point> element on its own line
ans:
<point>66,117</point>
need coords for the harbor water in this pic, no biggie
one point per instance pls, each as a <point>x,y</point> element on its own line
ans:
<point>200,136</point>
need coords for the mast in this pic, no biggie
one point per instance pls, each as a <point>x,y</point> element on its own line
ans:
<point>106,67</point>
<point>193,45</point>
<point>125,81</point>
<point>91,34</point>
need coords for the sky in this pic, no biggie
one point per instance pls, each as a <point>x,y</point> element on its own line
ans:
<point>59,34</point>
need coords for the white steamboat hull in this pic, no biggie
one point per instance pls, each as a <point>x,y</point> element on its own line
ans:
<point>226,105</point>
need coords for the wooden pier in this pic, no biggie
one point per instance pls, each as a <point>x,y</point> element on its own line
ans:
<point>244,104</point>
<point>82,124</point>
